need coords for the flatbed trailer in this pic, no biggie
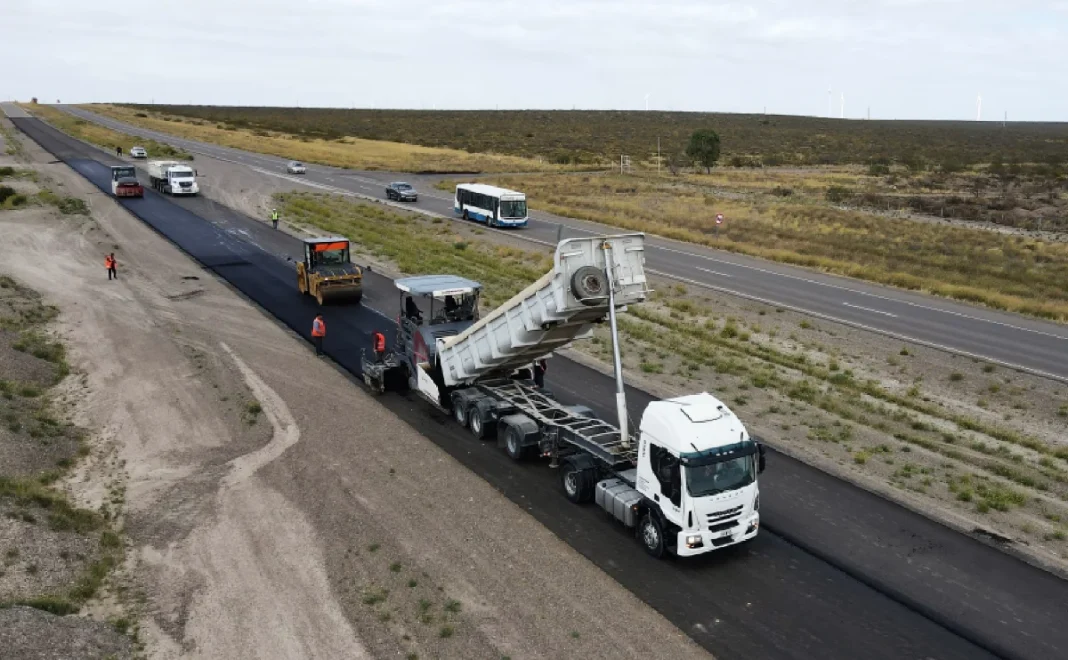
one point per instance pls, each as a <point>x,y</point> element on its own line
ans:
<point>686,482</point>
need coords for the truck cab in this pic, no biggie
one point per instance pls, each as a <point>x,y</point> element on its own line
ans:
<point>172,177</point>
<point>697,473</point>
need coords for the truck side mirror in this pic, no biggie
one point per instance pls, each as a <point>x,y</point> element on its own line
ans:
<point>761,458</point>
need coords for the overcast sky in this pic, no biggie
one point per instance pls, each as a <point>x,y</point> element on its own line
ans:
<point>903,58</point>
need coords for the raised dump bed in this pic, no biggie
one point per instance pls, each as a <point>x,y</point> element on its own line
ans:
<point>560,307</point>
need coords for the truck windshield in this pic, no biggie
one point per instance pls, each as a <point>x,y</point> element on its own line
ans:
<point>721,477</point>
<point>180,174</point>
<point>122,173</point>
<point>513,208</point>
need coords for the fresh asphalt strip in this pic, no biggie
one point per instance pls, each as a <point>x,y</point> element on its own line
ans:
<point>836,573</point>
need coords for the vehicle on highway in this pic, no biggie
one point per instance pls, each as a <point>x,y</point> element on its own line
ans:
<point>295,167</point>
<point>327,273</point>
<point>497,207</point>
<point>686,482</point>
<point>172,178</point>
<point>138,152</point>
<point>402,192</point>
<point>124,182</point>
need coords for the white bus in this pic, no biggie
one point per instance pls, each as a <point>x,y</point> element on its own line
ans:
<point>497,207</point>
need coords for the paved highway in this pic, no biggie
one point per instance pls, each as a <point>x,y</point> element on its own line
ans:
<point>1012,340</point>
<point>837,573</point>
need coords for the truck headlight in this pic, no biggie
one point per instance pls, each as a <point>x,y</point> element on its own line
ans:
<point>756,503</point>
<point>693,541</point>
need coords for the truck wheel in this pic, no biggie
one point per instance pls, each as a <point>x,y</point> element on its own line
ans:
<point>651,534</point>
<point>590,285</point>
<point>577,483</point>
<point>513,444</point>
<point>476,423</point>
<point>459,411</point>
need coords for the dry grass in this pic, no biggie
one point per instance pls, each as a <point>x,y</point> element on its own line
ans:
<point>101,136</point>
<point>347,152</point>
<point>1005,272</point>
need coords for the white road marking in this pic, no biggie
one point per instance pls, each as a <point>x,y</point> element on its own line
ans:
<point>713,272</point>
<point>869,309</point>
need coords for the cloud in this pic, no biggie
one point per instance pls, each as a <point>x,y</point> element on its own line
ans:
<point>904,58</point>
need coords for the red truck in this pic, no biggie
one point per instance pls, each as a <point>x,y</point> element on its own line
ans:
<point>124,182</point>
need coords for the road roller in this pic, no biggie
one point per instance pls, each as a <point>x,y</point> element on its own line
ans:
<point>327,273</point>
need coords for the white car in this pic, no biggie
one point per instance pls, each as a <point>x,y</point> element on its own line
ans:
<point>295,167</point>
<point>138,152</point>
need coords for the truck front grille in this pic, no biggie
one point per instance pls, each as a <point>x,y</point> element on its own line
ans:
<point>725,519</point>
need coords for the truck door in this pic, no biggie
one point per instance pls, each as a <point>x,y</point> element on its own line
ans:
<point>667,481</point>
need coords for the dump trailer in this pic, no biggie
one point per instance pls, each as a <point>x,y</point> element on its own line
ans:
<point>172,178</point>
<point>326,272</point>
<point>685,482</point>
<point>124,182</point>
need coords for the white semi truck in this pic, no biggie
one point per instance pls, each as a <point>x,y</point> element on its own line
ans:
<point>686,482</point>
<point>172,177</point>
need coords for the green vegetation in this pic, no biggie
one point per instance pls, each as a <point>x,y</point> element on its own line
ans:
<point>415,248</point>
<point>703,148</point>
<point>601,136</point>
<point>28,416</point>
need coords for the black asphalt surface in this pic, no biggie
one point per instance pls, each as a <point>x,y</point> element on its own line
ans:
<point>835,573</point>
<point>1009,339</point>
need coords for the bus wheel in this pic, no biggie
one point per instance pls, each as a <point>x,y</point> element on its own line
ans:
<point>465,215</point>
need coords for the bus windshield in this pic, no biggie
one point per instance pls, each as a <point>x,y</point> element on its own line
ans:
<point>513,208</point>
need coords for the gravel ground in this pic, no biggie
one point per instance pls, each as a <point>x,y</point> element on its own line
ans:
<point>66,638</point>
<point>35,559</point>
<point>270,530</point>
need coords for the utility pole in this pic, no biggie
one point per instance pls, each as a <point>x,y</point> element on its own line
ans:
<point>658,156</point>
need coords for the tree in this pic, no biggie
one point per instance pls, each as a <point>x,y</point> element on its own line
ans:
<point>704,148</point>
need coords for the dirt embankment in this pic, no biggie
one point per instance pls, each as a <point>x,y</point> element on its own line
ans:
<point>55,555</point>
<point>273,509</point>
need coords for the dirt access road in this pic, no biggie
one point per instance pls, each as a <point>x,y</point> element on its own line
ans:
<point>272,508</point>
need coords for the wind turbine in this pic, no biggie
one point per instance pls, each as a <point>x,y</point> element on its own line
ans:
<point>843,105</point>
<point>828,101</point>
<point>979,108</point>
<point>647,102</point>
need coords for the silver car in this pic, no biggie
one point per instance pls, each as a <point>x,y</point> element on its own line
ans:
<point>295,167</point>
<point>138,152</point>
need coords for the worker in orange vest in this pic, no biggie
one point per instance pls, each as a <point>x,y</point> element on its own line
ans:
<point>318,333</point>
<point>378,341</point>
<point>109,263</point>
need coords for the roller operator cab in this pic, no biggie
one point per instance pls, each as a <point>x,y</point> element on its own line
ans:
<point>327,273</point>
<point>696,477</point>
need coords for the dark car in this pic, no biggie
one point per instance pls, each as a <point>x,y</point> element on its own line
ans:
<point>402,192</point>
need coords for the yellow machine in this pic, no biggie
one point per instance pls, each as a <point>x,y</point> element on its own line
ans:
<point>327,273</point>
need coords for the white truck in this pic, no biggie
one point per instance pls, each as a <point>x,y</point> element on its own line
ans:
<point>686,482</point>
<point>172,177</point>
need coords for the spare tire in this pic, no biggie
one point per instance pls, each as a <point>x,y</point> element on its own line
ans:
<point>589,285</point>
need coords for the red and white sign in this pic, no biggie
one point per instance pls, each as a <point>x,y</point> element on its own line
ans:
<point>719,218</point>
